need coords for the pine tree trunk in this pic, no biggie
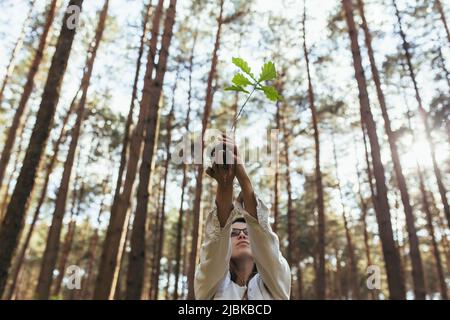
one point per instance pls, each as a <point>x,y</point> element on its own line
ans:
<point>53,239</point>
<point>423,115</point>
<point>68,241</point>
<point>160,242</point>
<point>129,122</point>
<point>368,167</point>
<point>186,232</point>
<point>443,19</point>
<point>416,260</point>
<point>446,72</point>
<point>364,209</point>
<point>291,223</point>
<point>320,272</point>
<point>49,168</point>
<point>27,89</point>
<point>426,207</point>
<point>390,252</point>
<point>156,271</point>
<point>430,227</point>
<point>92,249</point>
<point>119,293</point>
<point>276,204</point>
<point>444,239</point>
<point>18,45</point>
<point>136,266</point>
<point>155,238</point>
<point>15,213</point>
<point>120,215</point>
<point>354,277</point>
<point>15,168</point>
<point>182,212</point>
<point>196,213</point>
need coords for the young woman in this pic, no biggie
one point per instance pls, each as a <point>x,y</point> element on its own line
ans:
<point>240,258</point>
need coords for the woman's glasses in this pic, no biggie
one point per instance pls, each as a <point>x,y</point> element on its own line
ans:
<point>235,232</point>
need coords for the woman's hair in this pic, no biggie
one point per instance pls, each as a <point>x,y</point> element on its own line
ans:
<point>239,219</point>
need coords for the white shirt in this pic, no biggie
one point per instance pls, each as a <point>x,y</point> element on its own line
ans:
<point>212,277</point>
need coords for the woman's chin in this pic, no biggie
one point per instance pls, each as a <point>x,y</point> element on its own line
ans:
<point>243,253</point>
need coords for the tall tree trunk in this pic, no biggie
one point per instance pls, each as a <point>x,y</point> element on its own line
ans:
<point>368,167</point>
<point>181,211</point>
<point>68,241</point>
<point>48,170</point>
<point>293,247</point>
<point>92,249</point>
<point>443,19</point>
<point>53,239</point>
<point>196,213</point>
<point>120,215</point>
<point>15,213</point>
<point>390,252</point>
<point>430,227</point>
<point>186,232</point>
<point>129,122</point>
<point>160,242</point>
<point>423,114</point>
<point>416,259</point>
<point>320,272</point>
<point>15,168</point>
<point>276,199</point>
<point>17,46</point>
<point>444,238</point>
<point>27,89</point>
<point>426,207</point>
<point>126,138</point>
<point>158,230</point>
<point>354,277</point>
<point>136,266</point>
<point>291,223</point>
<point>364,210</point>
<point>445,71</point>
<point>155,238</point>
<point>119,292</point>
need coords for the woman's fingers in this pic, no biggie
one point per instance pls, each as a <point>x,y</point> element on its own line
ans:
<point>226,145</point>
<point>210,172</point>
<point>226,157</point>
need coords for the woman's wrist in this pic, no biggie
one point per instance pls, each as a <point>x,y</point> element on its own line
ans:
<point>224,202</point>
<point>241,175</point>
<point>245,182</point>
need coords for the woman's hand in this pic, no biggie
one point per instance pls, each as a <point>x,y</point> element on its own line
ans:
<point>226,165</point>
<point>224,174</point>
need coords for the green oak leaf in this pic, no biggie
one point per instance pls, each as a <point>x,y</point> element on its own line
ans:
<point>243,65</point>
<point>236,88</point>
<point>268,72</point>
<point>240,80</point>
<point>271,93</point>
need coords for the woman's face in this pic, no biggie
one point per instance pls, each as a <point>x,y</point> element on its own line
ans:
<point>240,242</point>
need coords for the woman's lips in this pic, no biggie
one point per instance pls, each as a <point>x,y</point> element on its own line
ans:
<point>243,242</point>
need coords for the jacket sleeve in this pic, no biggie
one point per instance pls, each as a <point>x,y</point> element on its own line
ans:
<point>272,266</point>
<point>215,256</point>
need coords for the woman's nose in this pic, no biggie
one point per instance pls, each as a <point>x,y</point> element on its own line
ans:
<point>242,235</point>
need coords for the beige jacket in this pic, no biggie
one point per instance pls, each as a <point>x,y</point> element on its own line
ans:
<point>212,277</point>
